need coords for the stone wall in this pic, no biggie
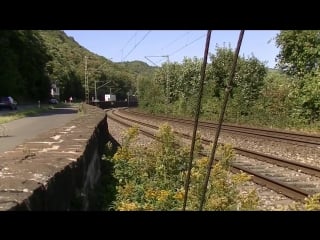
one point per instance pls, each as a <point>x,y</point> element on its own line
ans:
<point>56,170</point>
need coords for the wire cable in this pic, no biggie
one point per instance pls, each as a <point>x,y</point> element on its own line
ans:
<point>135,46</point>
<point>187,45</point>
<point>130,40</point>
<point>178,38</point>
<point>127,44</point>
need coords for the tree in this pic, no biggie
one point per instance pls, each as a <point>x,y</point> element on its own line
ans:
<point>30,60</point>
<point>9,72</point>
<point>299,51</point>
<point>275,93</point>
<point>151,95</point>
<point>180,82</point>
<point>306,98</point>
<point>249,78</point>
<point>249,83</point>
<point>68,59</point>
<point>219,69</point>
<point>168,77</point>
<point>300,57</point>
<point>23,71</point>
<point>71,87</point>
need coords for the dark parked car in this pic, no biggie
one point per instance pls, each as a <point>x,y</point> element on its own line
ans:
<point>8,102</point>
<point>53,101</point>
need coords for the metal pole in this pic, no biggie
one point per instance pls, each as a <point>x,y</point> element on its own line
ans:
<point>128,99</point>
<point>86,85</point>
<point>95,89</point>
<point>167,90</point>
<point>168,93</point>
<point>138,86</point>
<point>196,120</point>
<point>223,108</point>
<point>167,84</point>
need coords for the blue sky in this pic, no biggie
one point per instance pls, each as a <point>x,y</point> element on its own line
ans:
<point>130,45</point>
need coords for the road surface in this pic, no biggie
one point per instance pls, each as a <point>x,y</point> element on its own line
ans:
<point>20,130</point>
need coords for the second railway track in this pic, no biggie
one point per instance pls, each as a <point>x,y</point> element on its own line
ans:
<point>276,135</point>
<point>272,182</point>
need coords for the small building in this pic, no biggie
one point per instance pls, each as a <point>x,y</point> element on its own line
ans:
<point>110,98</point>
<point>54,92</point>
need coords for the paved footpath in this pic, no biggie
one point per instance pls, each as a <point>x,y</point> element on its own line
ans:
<point>20,130</point>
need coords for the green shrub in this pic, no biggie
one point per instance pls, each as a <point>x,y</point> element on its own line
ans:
<point>153,178</point>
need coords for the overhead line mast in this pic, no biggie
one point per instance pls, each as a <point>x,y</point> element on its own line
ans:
<point>86,82</point>
<point>167,73</point>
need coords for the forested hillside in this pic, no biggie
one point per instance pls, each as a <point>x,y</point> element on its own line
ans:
<point>30,60</point>
<point>285,97</point>
<point>23,59</point>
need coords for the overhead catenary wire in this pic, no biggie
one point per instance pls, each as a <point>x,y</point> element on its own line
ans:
<point>147,57</point>
<point>136,45</point>
<point>130,39</point>
<point>161,60</point>
<point>163,56</point>
<point>188,44</point>
<point>127,44</point>
<point>178,38</point>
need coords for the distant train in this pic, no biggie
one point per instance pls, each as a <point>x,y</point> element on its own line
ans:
<point>133,102</point>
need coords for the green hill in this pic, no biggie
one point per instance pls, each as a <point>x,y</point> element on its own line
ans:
<point>138,67</point>
<point>69,62</point>
<point>30,60</point>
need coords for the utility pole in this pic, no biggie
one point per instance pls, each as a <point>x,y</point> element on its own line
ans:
<point>167,84</point>
<point>86,82</point>
<point>167,75</point>
<point>128,99</point>
<point>137,91</point>
<point>95,90</point>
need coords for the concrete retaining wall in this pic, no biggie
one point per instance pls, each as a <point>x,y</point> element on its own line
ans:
<point>57,170</point>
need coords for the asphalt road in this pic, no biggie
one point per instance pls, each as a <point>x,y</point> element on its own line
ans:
<point>20,130</point>
<point>23,107</point>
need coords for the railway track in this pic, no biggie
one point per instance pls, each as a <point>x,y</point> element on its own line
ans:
<point>275,135</point>
<point>294,189</point>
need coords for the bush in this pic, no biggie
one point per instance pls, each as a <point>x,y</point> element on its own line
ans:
<point>153,178</point>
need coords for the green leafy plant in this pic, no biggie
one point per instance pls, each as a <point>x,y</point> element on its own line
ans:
<point>310,203</point>
<point>153,178</point>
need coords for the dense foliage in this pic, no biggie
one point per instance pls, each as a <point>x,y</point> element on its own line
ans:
<point>299,51</point>
<point>153,178</point>
<point>287,97</point>
<point>299,58</point>
<point>178,84</point>
<point>31,60</point>
<point>68,68</point>
<point>23,59</point>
